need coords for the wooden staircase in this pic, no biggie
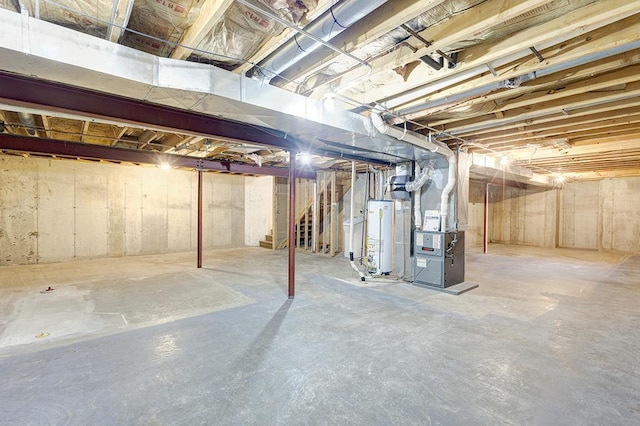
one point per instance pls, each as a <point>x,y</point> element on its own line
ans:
<point>317,213</point>
<point>267,242</point>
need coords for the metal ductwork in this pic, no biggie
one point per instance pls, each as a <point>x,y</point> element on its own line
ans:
<point>331,23</point>
<point>68,57</point>
<point>435,147</point>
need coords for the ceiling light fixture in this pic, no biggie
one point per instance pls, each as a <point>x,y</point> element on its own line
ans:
<point>305,158</point>
<point>165,166</point>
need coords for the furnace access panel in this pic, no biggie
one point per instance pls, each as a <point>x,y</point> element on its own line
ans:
<point>439,258</point>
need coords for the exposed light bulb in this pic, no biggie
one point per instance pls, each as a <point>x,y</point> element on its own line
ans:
<point>305,158</point>
<point>165,166</point>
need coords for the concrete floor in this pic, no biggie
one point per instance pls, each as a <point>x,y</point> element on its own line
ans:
<point>549,337</point>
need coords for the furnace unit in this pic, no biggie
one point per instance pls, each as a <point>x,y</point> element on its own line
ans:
<point>439,258</point>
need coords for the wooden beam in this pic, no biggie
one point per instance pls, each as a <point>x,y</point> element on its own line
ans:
<point>210,13</point>
<point>456,28</point>
<point>85,129</point>
<point>315,212</point>
<point>597,127</point>
<point>599,139</point>
<point>385,18</point>
<point>147,137</point>
<point>580,149</point>
<point>333,216</point>
<point>120,134</point>
<point>546,83</point>
<point>45,123</point>
<point>325,211</point>
<point>606,109</point>
<point>579,21</point>
<point>542,108</point>
<point>626,75</point>
<point>603,174</point>
<point>121,13</point>
<point>563,125</point>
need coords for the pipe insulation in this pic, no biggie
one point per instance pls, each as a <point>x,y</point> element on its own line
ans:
<point>439,148</point>
<point>328,25</point>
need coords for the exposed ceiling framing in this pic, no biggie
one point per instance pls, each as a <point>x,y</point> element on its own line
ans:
<point>551,85</point>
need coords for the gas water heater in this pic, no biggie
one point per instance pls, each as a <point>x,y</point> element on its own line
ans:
<point>379,236</point>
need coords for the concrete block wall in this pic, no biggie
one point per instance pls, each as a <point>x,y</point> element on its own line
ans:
<point>258,213</point>
<point>60,210</point>
<point>603,215</point>
<point>474,233</point>
<point>596,215</point>
<point>579,216</point>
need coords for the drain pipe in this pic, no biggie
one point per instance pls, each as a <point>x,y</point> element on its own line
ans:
<point>435,147</point>
<point>351,225</point>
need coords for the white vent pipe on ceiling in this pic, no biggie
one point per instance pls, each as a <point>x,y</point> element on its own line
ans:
<point>435,147</point>
<point>328,25</point>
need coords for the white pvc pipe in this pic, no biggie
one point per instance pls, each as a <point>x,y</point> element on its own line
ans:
<point>444,198</point>
<point>416,187</point>
<point>422,178</point>
<point>435,147</point>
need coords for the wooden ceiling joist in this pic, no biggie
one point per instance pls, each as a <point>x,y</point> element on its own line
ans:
<point>580,21</point>
<point>210,13</point>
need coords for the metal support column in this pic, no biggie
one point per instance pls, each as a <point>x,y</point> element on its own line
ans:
<point>292,224</point>
<point>199,219</point>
